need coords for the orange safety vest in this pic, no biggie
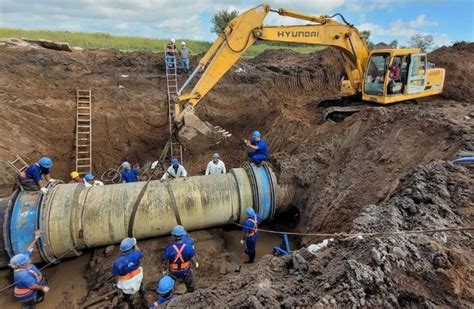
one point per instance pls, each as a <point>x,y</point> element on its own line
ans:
<point>131,274</point>
<point>179,263</point>
<point>20,292</point>
<point>254,230</point>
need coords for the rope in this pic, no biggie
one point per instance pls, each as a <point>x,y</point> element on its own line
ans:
<point>56,261</point>
<point>111,175</point>
<point>351,235</point>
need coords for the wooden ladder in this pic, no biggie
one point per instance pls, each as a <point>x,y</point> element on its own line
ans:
<point>83,131</point>
<point>19,165</point>
<point>176,149</point>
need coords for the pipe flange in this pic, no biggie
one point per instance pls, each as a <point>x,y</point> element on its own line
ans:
<point>253,182</point>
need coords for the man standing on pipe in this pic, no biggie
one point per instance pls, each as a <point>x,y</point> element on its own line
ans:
<point>30,286</point>
<point>127,269</point>
<point>180,255</point>
<point>250,234</point>
<point>36,175</point>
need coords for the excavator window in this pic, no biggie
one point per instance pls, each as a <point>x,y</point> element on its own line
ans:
<point>375,75</point>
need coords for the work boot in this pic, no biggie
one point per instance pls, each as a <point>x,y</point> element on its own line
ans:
<point>251,259</point>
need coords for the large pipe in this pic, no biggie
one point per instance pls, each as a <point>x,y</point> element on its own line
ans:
<point>74,218</point>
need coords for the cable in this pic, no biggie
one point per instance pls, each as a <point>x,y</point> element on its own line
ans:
<point>343,19</point>
<point>234,50</point>
<point>366,234</point>
<point>111,175</point>
<point>56,261</point>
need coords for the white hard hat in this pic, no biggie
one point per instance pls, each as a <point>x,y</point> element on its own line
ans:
<point>183,43</point>
<point>173,40</point>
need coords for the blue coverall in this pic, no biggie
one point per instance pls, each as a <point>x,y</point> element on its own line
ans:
<point>261,154</point>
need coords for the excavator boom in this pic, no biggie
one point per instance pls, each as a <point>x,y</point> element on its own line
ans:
<point>240,34</point>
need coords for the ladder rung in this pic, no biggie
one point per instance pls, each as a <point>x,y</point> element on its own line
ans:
<point>81,166</point>
<point>83,126</point>
<point>83,159</point>
<point>84,152</point>
<point>82,139</point>
<point>82,146</point>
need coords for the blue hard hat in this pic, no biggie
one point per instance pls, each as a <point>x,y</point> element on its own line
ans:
<point>178,231</point>
<point>126,165</point>
<point>128,243</point>
<point>256,134</point>
<point>250,212</point>
<point>45,162</point>
<point>89,177</point>
<point>174,161</point>
<point>19,260</point>
<point>165,285</point>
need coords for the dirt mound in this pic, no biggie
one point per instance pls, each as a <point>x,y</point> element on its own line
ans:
<point>396,271</point>
<point>458,60</point>
<point>339,169</point>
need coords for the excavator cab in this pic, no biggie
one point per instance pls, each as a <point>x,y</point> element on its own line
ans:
<point>395,75</point>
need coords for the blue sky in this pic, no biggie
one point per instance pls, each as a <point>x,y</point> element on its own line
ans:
<point>447,21</point>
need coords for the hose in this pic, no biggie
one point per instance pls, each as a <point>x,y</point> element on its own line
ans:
<point>343,19</point>
<point>234,50</point>
<point>111,175</point>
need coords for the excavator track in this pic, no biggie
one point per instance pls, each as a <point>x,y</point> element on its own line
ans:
<point>339,108</point>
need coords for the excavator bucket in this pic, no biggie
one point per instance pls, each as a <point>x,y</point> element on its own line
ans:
<point>197,135</point>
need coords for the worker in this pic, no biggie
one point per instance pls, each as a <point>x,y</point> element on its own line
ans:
<point>250,230</point>
<point>186,239</point>
<point>215,166</point>
<point>37,175</point>
<point>76,178</point>
<point>259,147</point>
<point>127,270</point>
<point>30,286</point>
<point>164,288</point>
<point>179,256</point>
<point>89,181</point>
<point>394,72</point>
<point>170,57</point>
<point>175,170</point>
<point>185,52</point>
<point>128,173</point>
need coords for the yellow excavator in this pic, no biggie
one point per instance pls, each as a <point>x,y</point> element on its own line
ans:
<point>376,77</point>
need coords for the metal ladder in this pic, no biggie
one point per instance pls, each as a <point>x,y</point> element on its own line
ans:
<point>19,165</point>
<point>83,131</point>
<point>176,149</point>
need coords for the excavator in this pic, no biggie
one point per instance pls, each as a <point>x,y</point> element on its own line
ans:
<point>371,76</point>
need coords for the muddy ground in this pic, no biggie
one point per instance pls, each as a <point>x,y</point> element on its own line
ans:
<point>382,169</point>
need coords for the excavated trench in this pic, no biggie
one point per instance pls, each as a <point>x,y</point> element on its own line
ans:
<point>380,169</point>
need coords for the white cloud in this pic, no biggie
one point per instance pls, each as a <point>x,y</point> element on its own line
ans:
<point>421,21</point>
<point>402,30</point>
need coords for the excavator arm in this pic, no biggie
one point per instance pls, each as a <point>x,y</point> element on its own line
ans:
<point>240,34</point>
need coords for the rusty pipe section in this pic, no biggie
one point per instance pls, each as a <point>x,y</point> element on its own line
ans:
<point>74,218</point>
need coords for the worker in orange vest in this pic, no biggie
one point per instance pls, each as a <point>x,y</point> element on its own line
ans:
<point>180,254</point>
<point>30,286</point>
<point>250,234</point>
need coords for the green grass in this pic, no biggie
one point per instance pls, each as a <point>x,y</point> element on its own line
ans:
<point>100,40</point>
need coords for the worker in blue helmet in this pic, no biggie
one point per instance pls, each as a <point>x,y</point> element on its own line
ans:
<point>164,288</point>
<point>250,230</point>
<point>179,256</point>
<point>127,270</point>
<point>37,175</point>
<point>30,285</point>
<point>128,173</point>
<point>259,148</point>
<point>90,181</point>
<point>176,170</point>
